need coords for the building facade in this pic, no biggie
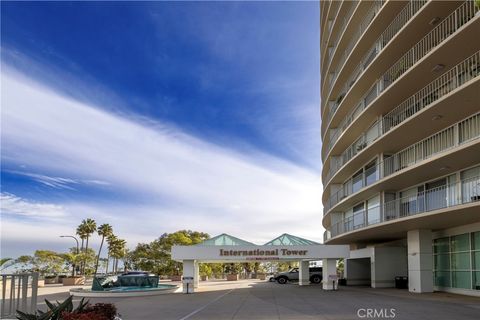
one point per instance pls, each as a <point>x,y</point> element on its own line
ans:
<point>400,109</point>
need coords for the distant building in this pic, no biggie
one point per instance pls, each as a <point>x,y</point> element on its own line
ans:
<point>400,113</point>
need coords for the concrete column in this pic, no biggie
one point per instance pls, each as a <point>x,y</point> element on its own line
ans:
<point>420,264</point>
<point>196,275</point>
<point>188,271</point>
<point>329,268</point>
<point>304,275</point>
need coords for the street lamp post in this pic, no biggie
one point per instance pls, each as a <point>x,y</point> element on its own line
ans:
<point>78,251</point>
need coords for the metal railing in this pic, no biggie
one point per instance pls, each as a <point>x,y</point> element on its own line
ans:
<point>393,28</point>
<point>444,140</point>
<point>463,72</point>
<point>346,18</point>
<point>442,31</point>
<point>452,79</point>
<point>445,196</point>
<point>19,292</point>
<point>368,18</point>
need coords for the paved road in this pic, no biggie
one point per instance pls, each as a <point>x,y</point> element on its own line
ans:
<point>262,300</point>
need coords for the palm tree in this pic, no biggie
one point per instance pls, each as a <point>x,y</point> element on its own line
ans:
<point>82,233</point>
<point>121,250</point>
<point>111,243</point>
<point>86,228</point>
<point>105,230</point>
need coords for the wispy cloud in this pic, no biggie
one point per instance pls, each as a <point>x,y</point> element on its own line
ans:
<point>57,182</point>
<point>184,182</point>
<point>11,204</point>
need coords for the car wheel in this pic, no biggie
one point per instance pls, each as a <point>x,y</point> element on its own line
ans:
<point>282,280</point>
<point>316,279</point>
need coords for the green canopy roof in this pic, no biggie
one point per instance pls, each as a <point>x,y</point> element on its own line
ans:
<point>225,240</point>
<point>289,240</point>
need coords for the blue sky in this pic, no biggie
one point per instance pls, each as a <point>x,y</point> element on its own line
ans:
<point>159,116</point>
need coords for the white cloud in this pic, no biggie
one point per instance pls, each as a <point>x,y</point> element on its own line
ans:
<point>14,205</point>
<point>189,183</point>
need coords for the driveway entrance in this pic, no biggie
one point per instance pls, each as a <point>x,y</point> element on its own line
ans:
<point>228,249</point>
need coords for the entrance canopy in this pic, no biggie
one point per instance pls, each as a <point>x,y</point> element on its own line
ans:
<point>226,248</point>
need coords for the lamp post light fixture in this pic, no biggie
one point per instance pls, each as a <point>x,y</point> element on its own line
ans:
<point>78,251</point>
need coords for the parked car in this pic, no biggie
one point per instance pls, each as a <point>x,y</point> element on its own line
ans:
<point>293,275</point>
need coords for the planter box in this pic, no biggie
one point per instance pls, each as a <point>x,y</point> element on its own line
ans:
<point>50,280</point>
<point>232,277</point>
<point>204,278</point>
<point>176,278</point>
<point>74,281</point>
<point>41,283</point>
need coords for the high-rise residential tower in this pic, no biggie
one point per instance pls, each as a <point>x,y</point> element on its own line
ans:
<point>400,108</point>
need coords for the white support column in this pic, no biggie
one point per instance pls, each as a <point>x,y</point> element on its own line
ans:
<point>420,264</point>
<point>196,275</point>
<point>329,268</point>
<point>188,271</point>
<point>304,275</point>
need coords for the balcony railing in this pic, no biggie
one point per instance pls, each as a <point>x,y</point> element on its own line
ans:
<point>444,140</point>
<point>393,28</point>
<point>368,18</point>
<point>346,18</point>
<point>446,83</point>
<point>448,195</point>
<point>442,31</point>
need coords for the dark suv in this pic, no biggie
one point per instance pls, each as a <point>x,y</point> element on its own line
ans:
<point>293,275</point>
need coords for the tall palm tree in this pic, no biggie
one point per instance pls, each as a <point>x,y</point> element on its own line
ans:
<point>111,243</point>
<point>82,233</point>
<point>105,230</point>
<point>120,251</point>
<point>89,227</point>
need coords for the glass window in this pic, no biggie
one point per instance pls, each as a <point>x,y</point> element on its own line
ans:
<point>357,181</point>
<point>476,280</point>
<point>442,278</point>
<point>442,262</point>
<point>372,133</point>
<point>460,242</point>
<point>470,184</point>
<point>358,216</point>
<point>436,194</point>
<point>441,245</point>
<point>462,279</point>
<point>476,241</point>
<point>371,173</point>
<point>373,210</point>
<point>476,260</point>
<point>461,261</point>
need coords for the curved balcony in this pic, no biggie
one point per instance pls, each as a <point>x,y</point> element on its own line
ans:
<point>445,84</point>
<point>444,30</point>
<point>398,23</point>
<point>452,195</point>
<point>368,18</point>
<point>451,137</point>
<point>333,34</point>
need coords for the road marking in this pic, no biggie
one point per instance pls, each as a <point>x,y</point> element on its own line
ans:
<point>201,308</point>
